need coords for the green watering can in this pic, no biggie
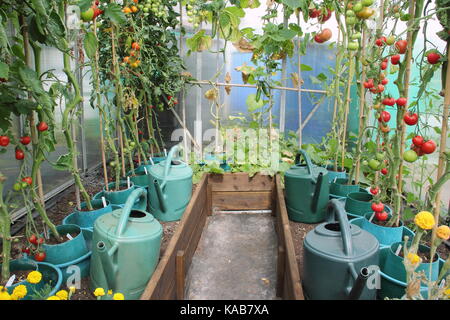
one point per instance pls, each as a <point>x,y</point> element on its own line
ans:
<point>169,188</point>
<point>306,191</point>
<point>339,259</point>
<point>125,251</point>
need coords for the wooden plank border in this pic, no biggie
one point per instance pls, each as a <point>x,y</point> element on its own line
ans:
<point>288,281</point>
<point>261,192</point>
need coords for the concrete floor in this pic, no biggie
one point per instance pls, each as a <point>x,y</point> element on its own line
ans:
<point>235,259</point>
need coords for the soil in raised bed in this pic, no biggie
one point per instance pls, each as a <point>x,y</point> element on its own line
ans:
<point>425,256</point>
<point>299,231</point>
<point>52,240</point>
<point>21,275</point>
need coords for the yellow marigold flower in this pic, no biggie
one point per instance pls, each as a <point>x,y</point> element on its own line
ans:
<point>72,289</point>
<point>53,298</point>
<point>20,291</point>
<point>14,297</point>
<point>413,258</point>
<point>4,295</point>
<point>62,294</point>
<point>34,277</point>
<point>110,292</point>
<point>424,220</point>
<point>447,292</point>
<point>118,296</point>
<point>443,232</point>
<point>99,292</point>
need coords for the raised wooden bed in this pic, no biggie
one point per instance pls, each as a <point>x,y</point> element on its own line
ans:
<point>231,191</point>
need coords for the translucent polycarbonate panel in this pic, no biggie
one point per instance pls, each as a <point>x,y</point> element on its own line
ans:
<point>91,125</point>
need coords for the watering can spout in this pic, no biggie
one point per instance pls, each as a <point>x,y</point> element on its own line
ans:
<point>109,269</point>
<point>359,284</point>
<point>161,196</point>
<point>317,192</point>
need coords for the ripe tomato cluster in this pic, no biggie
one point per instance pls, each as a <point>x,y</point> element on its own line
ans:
<point>35,248</point>
<point>133,58</point>
<point>380,213</point>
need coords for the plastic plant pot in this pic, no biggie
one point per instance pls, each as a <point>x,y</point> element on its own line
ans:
<point>86,219</point>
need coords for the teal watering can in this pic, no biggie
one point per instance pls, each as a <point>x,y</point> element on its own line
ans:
<point>339,259</point>
<point>126,245</point>
<point>307,191</point>
<point>169,188</point>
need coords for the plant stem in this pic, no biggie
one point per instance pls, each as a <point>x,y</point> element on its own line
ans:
<point>69,110</point>
<point>5,228</point>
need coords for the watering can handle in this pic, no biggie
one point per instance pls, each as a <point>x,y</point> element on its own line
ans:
<point>309,164</point>
<point>169,158</point>
<point>139,192</point>
<point>335,210</point>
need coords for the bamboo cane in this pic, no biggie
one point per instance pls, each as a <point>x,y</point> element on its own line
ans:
<point>401,127</point>
<point>362,102</point>
<point>347,107</point>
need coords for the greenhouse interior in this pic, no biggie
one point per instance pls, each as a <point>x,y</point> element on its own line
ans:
<point>224,150</point>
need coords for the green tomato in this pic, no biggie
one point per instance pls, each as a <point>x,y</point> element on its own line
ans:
<point>390,40</point>
<point>379,156</point>
<point>132,144</point>
<point>374,164</point>
<point>146,10</point>
<point>358,7</point>
<point>351,20</point>
<point>410,156</point>
<point>112,163</point>
<point>350,13</point>
<point>365,163</point>
<point>397,15</point>
<point>24,185</point>
<point>39,107</point>
<point>353,46</point>
<point>404,17</point>
<point>367,3</point>
<point>356,36</point>
<point>87,15</point>
<point>17,186</point>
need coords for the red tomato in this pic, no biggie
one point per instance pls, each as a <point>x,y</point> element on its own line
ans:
<point>318,39</point>
<point>33,239</point>
<point>380,41</point>
<point>384,81</point>
<point>4,141</point>
<point>383,65</point>
<point>377,206</point>
<point>324,16</point>
<point>314,13</point>
<point>25,140</point>
<point>388,101</point>
<point>433,57</point>
<point>401,102</point>
<point>410,119</point>
<point>39,256</point>
<point>395,59</point>
<point>428,146</point>
<point>386,116</point>
<point>368,84</point>
<point>384,171</point>
<point>26,250</point>
<point>28,180</point>
<point>374,191</point>
<point>42,126</point>
<point>418,141</point>
<point>381,216</point>
<point>19,154</point>
<point>401,46</point>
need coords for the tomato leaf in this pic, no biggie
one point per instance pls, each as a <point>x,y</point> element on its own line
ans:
<point>114,12</point>
<point>4,70</point>
<point>90,45</point>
